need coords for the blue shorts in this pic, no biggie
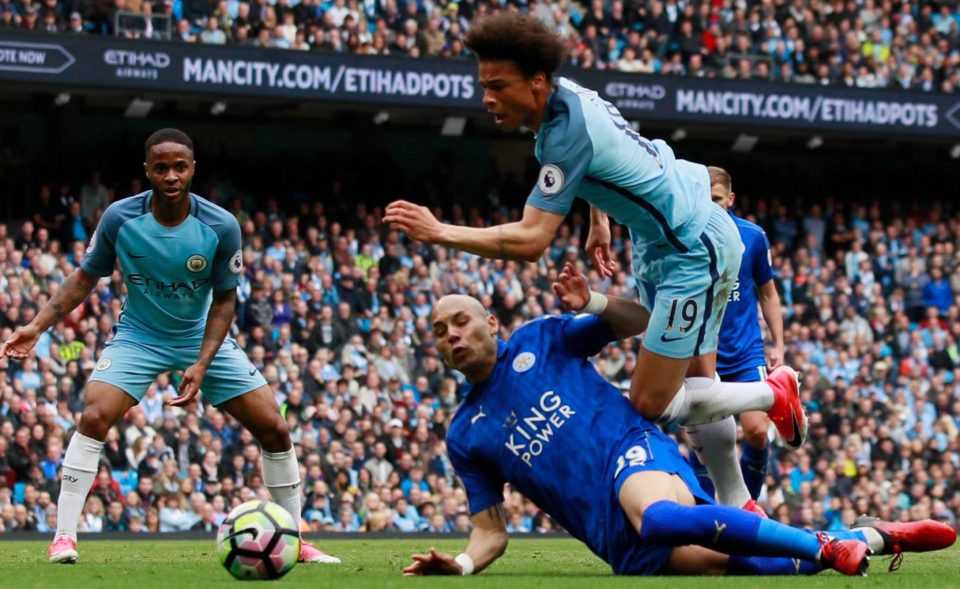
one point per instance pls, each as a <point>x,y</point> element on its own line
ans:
<point>686,292</point>
<point>643,450</point>
<point>748,374</point>
<point>132,366</point>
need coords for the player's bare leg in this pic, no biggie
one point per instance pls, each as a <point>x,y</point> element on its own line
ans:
<point>662,509</point>
<point>660,392</point>
<point>105,404</point>
<point>258,412</point>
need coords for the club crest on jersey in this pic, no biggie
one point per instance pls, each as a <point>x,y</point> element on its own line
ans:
<point>236,262</point>
<point>103,364</point>
<point>524,362</point>
<point>196,263</point>
<point>551,179</point>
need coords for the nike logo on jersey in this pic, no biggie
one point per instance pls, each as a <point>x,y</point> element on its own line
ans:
<point>480,414</point>
<point>135,256</point>
<point>253,371</point>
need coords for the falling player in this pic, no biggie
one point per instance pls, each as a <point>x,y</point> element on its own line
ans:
<point>181,260</point>
<point>690,247</point>
<point>539,416</point>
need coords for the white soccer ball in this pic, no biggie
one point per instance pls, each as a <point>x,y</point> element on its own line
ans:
<point>258,540</point>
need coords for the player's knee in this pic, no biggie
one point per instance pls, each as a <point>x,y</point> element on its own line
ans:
<point>756,435</point>
<point>274,436</point>
<point>656,521</point>
<point>650,407</point>
<point>94,422</point>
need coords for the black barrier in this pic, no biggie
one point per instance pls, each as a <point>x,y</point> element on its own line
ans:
<point>65,61</point>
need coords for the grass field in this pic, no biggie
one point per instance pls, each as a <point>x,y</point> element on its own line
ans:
<point>553,563</point>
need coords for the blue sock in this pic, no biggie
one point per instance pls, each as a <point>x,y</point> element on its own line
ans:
<point>771,565</point>
<point>753,464</point>
<point>725,529</point>
<point>703,477</point>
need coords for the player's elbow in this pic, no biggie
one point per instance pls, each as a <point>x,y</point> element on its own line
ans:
<point>531,254</point>
<point>533,247</point>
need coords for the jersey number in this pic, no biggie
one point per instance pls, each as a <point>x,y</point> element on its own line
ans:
<point>688,315</point>
<point>635,456</point>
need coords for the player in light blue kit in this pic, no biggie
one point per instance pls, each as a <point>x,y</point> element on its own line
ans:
<point>181,260</point>
<point>740,354</point>
<point>539,416</point>
<point>688,248</point>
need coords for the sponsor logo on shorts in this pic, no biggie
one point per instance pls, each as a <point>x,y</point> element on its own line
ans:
<point>196,263</point>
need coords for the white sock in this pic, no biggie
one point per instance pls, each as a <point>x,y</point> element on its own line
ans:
<point>716,447</point>
<point>708,400</point>
<point>281,474</point>
<point>79,470</point>
<point>874,539</point>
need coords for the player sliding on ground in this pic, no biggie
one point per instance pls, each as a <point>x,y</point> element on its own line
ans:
<point>181,260</point>
<point>689,248</point>
<point>539,416</point>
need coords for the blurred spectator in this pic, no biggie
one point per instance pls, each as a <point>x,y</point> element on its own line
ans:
<point>337,318</point>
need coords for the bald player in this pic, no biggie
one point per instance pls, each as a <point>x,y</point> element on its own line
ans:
<point>539,416</point>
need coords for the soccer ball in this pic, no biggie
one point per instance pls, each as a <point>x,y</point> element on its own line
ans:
<point>258,540</point>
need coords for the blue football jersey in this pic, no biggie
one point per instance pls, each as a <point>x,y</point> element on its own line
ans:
<point>587,149</point>
<point>741,342</point>
<point>170,272</point>
<point>548,423</point>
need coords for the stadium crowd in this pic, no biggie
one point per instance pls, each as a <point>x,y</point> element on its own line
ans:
<point>334,310</point>
<point>857,43</point>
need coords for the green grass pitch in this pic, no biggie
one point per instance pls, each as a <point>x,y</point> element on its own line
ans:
<point>553,563</point>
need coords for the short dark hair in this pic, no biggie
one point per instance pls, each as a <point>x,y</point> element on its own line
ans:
<point>168,135</point>
<point>525,40</point>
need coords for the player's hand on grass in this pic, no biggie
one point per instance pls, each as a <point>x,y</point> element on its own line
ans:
<point>435,563</point>
<point>20,343</point>
<point>414,220</point>
<point>189,385</point>
<point>599,250</point>
<point>571,288</point>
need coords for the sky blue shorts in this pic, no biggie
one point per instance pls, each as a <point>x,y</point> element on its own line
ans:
<point>132,366</point>
<point>686,292</point>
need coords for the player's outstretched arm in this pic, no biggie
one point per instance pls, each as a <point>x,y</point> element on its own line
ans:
<point>70,294</point>
<point>488,542</point>
<point>219,319</point>
<point>625,317</point>
<point>524,240</point>
<point>773,315</point>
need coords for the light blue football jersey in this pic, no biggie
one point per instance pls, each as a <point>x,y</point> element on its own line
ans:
<point>587,149</point>
<point>170,272</point>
